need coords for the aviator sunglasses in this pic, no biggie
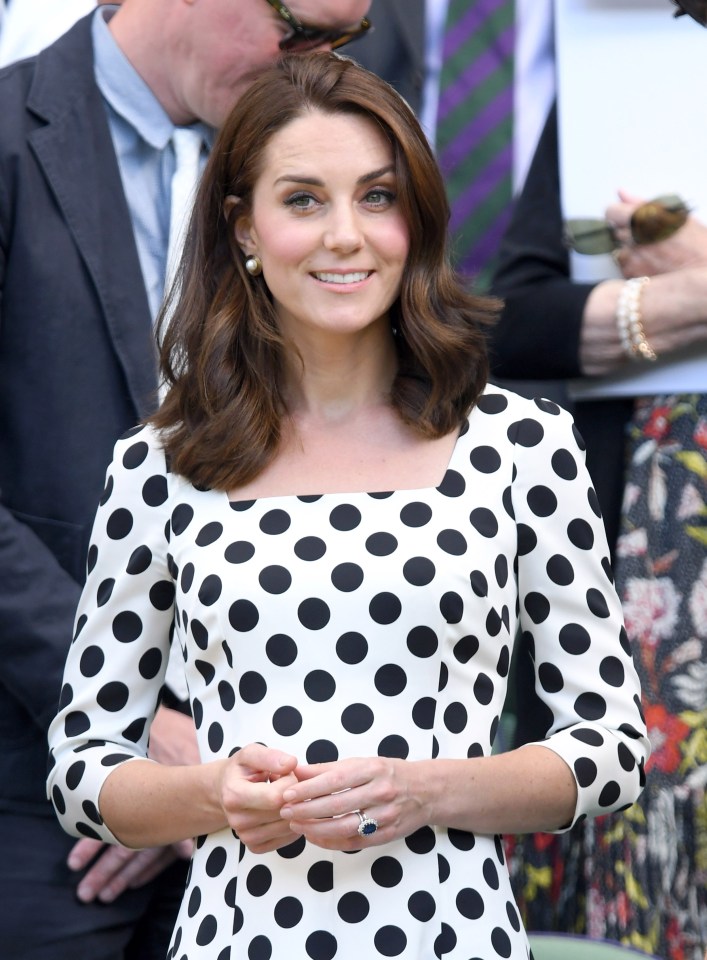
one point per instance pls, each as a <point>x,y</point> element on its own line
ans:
<point>302,38</point>
<point>650,222</point>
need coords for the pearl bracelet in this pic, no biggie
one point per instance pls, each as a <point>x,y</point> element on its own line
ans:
<point>629,323</point>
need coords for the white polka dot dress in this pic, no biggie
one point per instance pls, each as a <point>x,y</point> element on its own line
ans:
<point>353,625</point>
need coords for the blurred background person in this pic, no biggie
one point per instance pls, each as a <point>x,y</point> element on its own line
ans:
<point>641,879</point>
<point>480,75</point>
<point>93,184</point>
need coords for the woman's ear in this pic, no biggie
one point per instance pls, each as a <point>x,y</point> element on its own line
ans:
<point>242,224</point>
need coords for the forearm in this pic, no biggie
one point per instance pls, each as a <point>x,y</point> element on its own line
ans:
<point>673,313</point>
<point>146,804</point>
<point>521,791</point>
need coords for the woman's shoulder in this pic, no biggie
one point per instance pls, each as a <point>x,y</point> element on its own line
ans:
<point>511,406</point>
<point>141,447</point>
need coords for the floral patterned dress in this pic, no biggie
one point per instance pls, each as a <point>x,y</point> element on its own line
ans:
<point>641,876</point>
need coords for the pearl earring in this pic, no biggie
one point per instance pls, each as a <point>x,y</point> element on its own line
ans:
<point>254,265</point>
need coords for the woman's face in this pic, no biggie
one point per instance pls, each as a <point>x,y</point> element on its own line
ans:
<point>326,224</point>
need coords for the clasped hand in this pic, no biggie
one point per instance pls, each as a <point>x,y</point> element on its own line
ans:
<point>269,799</point>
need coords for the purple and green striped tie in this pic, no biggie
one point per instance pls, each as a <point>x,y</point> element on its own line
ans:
<point>474,129</point>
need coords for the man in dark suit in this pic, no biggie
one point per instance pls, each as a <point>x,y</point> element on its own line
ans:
<point>77,369</point>
<point>395,50</point>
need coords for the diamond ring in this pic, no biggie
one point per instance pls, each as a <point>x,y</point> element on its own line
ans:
<point>367,825</point>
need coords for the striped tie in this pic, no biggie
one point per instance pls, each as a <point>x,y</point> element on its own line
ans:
<point>474,129</point>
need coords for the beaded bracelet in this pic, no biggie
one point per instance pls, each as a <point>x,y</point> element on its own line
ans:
<point>629,323</point>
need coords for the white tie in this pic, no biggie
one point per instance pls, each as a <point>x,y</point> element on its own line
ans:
<point>187,144</point>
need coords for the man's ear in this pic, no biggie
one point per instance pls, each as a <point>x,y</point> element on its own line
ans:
<point>243,226</point>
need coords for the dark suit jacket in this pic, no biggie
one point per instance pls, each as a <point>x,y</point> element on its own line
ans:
<point>395,48</point>
<point>538,334</point>
<point>77,368</point>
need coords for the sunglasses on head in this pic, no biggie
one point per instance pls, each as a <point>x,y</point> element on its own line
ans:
<point>697,9</point>
<point>302,38</point>
<point>650,222</point>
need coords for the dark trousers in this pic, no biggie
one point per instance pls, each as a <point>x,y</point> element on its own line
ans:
<point>42,919</point>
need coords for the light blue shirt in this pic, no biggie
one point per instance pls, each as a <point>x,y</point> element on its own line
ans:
<point>141,132</point>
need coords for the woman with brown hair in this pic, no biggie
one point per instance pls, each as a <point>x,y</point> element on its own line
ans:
<point>342,526</point>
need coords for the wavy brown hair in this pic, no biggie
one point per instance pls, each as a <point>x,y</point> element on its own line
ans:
<point>222,354</point>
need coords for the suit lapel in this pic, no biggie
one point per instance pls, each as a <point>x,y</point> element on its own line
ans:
<point>76,153</point>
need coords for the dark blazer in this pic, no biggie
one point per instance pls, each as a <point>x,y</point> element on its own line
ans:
<point>77,368</point>
<point>538,335</point>
<point>395,48</point>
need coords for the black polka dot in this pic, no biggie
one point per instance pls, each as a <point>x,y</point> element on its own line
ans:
<point>386,871</point>
<point>453,484</point>
<point>258,880</point>
<point>119,525</point>
<point>596,601</point>
<point>611,671</point>
<point>353,907</point>
<point>385,608</point>
<point>357,718</point>
<point>416,514</point>
<point>347,577</point>
<point>542,501</point>
<point>207,931</point>
<point>590,706</point>
<point>243,615</point>
<point>610,794</point>
<point>381,544</point>
<point>319,685</point>
<point>313,613</point>
<point>390,680</point>
<point>209,534</point>
<point>281,650</point>
<point>422,642</point>
<point>310,548</point>
<point>470,903</point>
<point>345,517</point>
<point>421,906</point>
<point>352,648</point>
<point>419,571</point>
<point>564,465</point>
<point>287,721</point>
<point>239,552</point>
<point>275,579</point>
<point>320,876</point>
<point>574,639</point>
<point>452,542</point>
<point>155,491</point>
<point>127,626</point>
<point>485,459</point>
<point>288,912</point>
<point>484,522</point>
<point>390,941</point>
<point>275,522</point>
<point>560,570</point>
<point>526,433</point>
<point>321,945</point>
<point>181,518</point>
<point>580,534</point>
<point>586,771</point>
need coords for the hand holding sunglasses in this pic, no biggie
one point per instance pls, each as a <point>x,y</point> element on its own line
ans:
<point>650,222</point>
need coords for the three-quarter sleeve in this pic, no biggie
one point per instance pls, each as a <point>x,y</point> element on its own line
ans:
<point>118,657</point>
<point>571,616</point>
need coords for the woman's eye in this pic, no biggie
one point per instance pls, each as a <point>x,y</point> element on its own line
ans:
<point>301,201</point>
<point>380,198</point>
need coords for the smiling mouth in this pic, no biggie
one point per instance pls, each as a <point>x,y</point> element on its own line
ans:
<point>342,278</point>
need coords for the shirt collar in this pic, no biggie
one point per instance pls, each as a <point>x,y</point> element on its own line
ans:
<point>126,92</point>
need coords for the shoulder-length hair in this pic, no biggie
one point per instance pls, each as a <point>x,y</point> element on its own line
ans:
<point>222,354</point>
